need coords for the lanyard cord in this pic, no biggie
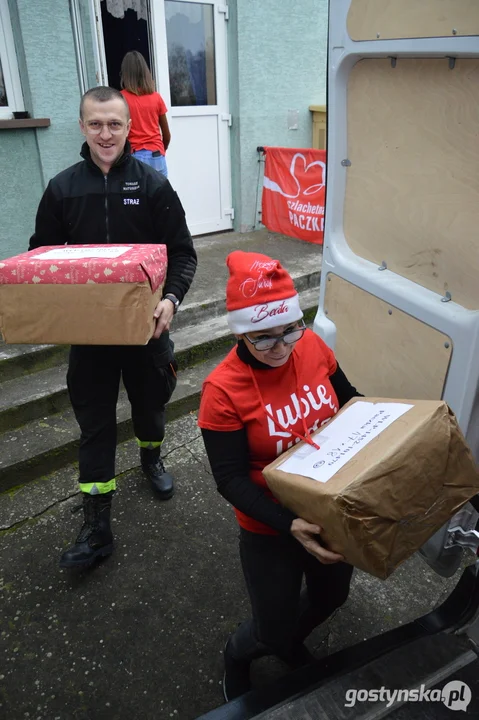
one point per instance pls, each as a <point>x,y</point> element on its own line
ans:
<point>307,435</point>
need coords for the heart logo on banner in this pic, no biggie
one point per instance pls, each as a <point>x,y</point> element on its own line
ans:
<point>295,169</point>
<point>312,188</point>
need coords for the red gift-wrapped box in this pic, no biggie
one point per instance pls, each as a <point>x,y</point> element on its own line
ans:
<point>82,294</point>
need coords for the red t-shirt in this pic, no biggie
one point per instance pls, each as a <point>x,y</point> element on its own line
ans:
<point>229,401</point>
<point>145,112</point>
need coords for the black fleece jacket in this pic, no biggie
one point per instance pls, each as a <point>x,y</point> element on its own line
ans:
<point>132,204</point>
<point>229,459</point>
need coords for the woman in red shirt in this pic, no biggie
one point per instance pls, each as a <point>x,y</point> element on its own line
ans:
<point>277,386</point>
<point>147,111</point>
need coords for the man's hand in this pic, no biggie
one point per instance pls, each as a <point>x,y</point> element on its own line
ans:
<point>304,533</point>
<point>164,312</point>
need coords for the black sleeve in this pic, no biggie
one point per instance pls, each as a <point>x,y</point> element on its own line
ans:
<point>228,456</point>
<point>342,387</point>
<point>49,228</point>
<point>170,225</point>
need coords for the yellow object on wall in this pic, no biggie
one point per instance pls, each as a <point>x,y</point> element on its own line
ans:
<point>319,126</point>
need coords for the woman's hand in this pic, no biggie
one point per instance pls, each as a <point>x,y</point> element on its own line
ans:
<point>304,533</point>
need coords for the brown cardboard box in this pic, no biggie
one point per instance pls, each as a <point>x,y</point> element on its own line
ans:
<point>82,294</point>
<point>388,499</point>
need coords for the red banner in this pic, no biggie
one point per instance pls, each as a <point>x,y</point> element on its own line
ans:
<point>294,192</point>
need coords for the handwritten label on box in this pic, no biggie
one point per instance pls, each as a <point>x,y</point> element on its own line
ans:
<point>343,438</point>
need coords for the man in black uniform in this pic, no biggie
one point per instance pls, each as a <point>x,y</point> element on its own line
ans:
<point>90,202</point>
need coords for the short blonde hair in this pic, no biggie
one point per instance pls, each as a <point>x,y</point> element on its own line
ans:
<point>103,93</point>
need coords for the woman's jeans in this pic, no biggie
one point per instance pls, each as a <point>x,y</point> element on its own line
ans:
<point>151,158</point>
<point>283,616</point>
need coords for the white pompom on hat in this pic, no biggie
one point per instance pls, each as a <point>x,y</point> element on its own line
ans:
<point>260,293</point>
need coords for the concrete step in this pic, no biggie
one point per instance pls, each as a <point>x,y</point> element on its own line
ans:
<point>32,396</point>
<point>43,393</point>
<point>46,444</point>
<point>19,360</point>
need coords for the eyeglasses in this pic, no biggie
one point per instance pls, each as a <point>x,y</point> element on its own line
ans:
<point>289,338</point>
<point>95,128</point>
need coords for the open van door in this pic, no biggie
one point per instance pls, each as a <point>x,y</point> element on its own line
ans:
<point>400,280</point>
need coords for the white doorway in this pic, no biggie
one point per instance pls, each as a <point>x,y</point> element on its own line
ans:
<point>185,44</point>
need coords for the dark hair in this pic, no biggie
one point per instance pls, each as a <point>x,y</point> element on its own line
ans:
<point>135,74</point>
<point>102,93</point>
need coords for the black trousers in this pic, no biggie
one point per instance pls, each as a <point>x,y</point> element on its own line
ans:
<point>283,615</point>
<point>94,373</point>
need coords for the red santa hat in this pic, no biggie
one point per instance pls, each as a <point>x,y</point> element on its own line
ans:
<point>260,293</point>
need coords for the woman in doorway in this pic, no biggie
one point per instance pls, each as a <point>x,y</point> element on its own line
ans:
<point>254,406</point>
<point>147,111</point>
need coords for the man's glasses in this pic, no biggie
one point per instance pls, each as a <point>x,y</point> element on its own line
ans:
<point>94,127</point>
<point>291,336</point>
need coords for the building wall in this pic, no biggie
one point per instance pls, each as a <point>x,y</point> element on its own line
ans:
<point>277,64</point>
<point>20,189</point>
<point>30,157</point>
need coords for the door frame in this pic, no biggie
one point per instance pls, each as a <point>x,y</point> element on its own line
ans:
<point>221,109</point>
<point>98,42</point>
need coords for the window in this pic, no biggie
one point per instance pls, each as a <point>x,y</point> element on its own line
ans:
<point>191,53</point>
<point>11,99</point>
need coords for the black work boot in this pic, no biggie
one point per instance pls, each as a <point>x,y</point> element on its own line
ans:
<point>153,467</point>
<point>95,539</point>
<point>236,678</point>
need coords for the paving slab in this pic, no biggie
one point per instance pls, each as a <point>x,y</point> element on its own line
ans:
<point>141,634</point>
